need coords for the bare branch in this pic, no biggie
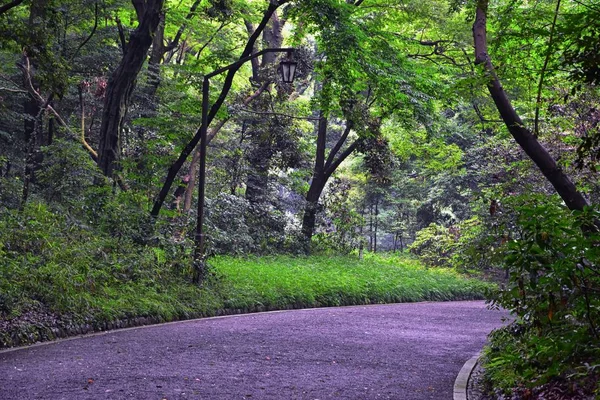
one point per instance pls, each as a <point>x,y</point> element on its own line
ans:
<point>91,33</point>
<point>25,67</point>
<point>3,89</point>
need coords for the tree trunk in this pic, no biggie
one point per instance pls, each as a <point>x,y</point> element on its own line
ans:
<point>122,82</point>
<point>323,170</point>
<point>371,227</point>
<point>523,136</point>
<point>156,57</point>
<point>376,226</point>
<point>310,210</point>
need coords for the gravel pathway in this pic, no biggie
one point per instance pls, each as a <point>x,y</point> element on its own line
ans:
<point>401,351</point>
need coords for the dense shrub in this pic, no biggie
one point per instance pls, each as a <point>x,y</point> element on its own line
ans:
<point>553,260</point>
<point>464,245</point>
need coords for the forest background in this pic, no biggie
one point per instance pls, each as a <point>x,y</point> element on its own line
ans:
<point>396,136</point>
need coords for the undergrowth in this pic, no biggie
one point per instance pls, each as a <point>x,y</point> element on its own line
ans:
<point>553,263</point>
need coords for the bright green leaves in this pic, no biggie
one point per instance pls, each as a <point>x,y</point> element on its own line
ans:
<point>432,154</point>
<point>551,260</point>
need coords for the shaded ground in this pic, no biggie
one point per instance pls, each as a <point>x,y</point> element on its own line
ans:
<point>402,351</point>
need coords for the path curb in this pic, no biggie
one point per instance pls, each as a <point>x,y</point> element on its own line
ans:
<point>462,380</point>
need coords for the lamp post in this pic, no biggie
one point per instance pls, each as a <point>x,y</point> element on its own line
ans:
<point>287,70</point>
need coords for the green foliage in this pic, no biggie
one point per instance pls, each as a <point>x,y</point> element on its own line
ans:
<point>456,246</point>
<point>338,232</point>
<point>49,260</point>
<point>68,174</point>
<point>553,289</point>
<point>434,245</point>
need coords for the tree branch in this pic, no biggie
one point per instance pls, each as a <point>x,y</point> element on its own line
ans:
<point>173,44</point>
<point>45,104</point>
<point>91,33</point>
<point>121,35</point>
<point>538,100</point>
<point>10,5</point>
<point>338,145</point>
<point>331,169</point>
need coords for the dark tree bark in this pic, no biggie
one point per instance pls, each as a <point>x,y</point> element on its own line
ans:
<point>523,136</point>
<point>323,170</point>
<point>176,166</point>
<point>122,82</point>
<point>371,227</point>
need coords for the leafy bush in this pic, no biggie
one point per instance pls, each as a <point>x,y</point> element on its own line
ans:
<point>553,261</point>
<point>461,246</point>
<point>434,245</point>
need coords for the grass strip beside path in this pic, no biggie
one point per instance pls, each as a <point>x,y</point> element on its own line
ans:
<point>317,281</point>
<point>48,302</point>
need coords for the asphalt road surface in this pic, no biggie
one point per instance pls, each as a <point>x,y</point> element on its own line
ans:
<point>401,351</point>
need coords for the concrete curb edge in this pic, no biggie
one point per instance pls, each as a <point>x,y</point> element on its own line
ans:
<point>462,380</point>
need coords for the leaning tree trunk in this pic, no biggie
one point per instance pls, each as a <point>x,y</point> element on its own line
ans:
<point>122,82</point>
<point>523,136</point>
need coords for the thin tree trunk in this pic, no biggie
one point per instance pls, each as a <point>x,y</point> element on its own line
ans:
<point>371,227</point>
<point>376,225</point>
<point>523,136</point>
<point>361,247</point>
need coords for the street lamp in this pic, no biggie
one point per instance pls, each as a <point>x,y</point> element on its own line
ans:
<point>287,70</point>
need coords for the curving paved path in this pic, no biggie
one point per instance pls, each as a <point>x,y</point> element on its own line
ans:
<point>402,351</point>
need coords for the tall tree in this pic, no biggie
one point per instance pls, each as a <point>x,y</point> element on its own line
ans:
<point>122,82</point>
<point>261,150</point>
<point>323,169</point>
<point>522,135</point>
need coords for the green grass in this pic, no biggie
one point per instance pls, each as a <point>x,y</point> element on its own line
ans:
<point>282,281</point>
